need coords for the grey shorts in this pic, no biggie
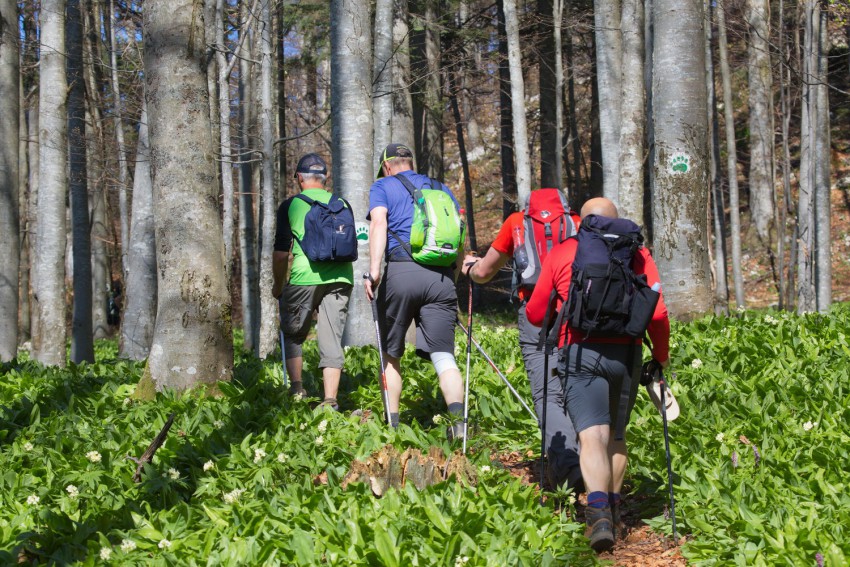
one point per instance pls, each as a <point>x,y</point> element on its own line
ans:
<point>594,374</point>
<point>423,294</point>
<point>299,303</point>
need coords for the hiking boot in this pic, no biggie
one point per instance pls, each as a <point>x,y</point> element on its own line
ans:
<point>621,531</point>
<point>600,530</point>
<point>297,389</point>
<point>455,432</point>
<point>330,403</point>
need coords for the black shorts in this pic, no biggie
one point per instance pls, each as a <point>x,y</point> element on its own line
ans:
<point>424,294</point>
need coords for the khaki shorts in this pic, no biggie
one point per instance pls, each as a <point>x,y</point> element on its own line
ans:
<point>299,303</point>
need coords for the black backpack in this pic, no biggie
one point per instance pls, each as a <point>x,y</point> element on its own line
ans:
<point>606,297</point>
<point>329,233</point>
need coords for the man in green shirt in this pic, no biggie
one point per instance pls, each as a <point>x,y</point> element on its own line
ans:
<point>322,286</point>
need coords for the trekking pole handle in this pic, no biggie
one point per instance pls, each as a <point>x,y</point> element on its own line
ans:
<point>368,276</point>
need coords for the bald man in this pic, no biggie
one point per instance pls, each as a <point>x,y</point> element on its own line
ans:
<point>594,369</point>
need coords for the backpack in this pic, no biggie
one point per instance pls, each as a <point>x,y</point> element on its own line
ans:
<point>329,234</point>
<point>437,231</point>
<point>606,297</point>
<point>546,216</point>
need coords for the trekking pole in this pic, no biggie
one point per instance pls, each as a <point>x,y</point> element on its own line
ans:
<point>545,344</point>
<point>468,359</point>
<point>498,372</point>
<point>282,350</point>
<point>385,393</point>
<point>667,450</point>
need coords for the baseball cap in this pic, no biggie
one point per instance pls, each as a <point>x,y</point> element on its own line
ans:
<point>311,163</point>
<point>390,152</point>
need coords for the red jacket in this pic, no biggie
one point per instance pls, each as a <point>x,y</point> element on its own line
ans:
<point>557,272</point>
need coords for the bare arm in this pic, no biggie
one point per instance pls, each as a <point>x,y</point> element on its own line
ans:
<point>482,270</point>
<point>377,245</point>
<point>280,264</point>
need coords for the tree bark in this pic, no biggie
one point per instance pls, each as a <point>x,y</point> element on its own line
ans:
<point>269,316</point>
<point>9,169</point>
<point>550,14</point>
<point>224,67</point>
<point>117,118</point>
<point>192,341</point>
<point>632,113</point>
<point>49,275</point>
<point>382,80</point>
<point>681,168</point>
<point>806,253</point>
<point>32,215</point>
<point>428,102</point>
<point>576,184</point>
<point>822,159</point>
<point>609,55</point>
<point>23,227</point>
<point>402,120</point>
<point>731,157</point>
<point>520,127</point>
<point>506,123</point>
<point>760,88</point>
<point>351,88</point>
<point>464,161</point>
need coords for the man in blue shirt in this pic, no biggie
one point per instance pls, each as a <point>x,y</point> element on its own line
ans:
<point>408,291</point>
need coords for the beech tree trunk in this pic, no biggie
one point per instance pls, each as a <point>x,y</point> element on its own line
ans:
<point>224,67</point>
<point>506,123</point>
<point>192,342</point>
<point>402,121</point>
<point>32,215</point>
<point>731,157</point>
<point>822,159</point>
<point>632,113</point>
<point>520,127</point>
<point>117,118</point>
<point>428,101</point>
<point>806,227</point>
<point>382,81</point>
<point>49,274</point>
<point>760,88</point>
<point>681,168</point>
<point>9,167</point>
<point>351,89</point>
<point>550,13</point>
<point>609,55</point>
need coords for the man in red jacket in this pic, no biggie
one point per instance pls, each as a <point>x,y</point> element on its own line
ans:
<point>594,369</point>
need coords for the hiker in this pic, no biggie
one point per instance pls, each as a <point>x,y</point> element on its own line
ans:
<point>600,358</point>
<point>417,282</point>
<point>514,243</point>
<point>322,284</point>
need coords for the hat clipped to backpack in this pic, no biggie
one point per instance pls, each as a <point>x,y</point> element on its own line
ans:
<point>390,152</point>
<point>651,378</point>
<point>311,163</point>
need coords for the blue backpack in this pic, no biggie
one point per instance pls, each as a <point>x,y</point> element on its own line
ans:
<point>329,233</point>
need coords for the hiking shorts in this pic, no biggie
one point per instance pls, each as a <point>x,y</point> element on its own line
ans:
<point>593,376</point>
<point>299,303</point>
<point>424,294</point>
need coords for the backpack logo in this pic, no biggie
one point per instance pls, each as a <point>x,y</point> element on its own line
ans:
<point>545,214</point>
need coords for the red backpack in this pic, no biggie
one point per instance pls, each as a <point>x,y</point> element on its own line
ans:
<point>548,219</point>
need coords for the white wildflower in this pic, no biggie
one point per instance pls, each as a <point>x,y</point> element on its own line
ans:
<point>233,495</point>
<point>259,455</point>
<point>572,500</point>
<point>33,500</point>
<point>719,437</point>
<point>484,469</point>
<point>303,426</point>
<point>93,456</point>
<point>218,424</point>
<point>28,447</point>
<point>437,419</point>
<point>461,560</point>
<point>298,397</point>
<point>128,545</point>
<point>696,363</point>
<point>741,309</point>
<point>73,491</point>
<point>164,544</point>
<point>320,440</point>
<point>282,458</point>
<point>126,402</point>
<point>105,553</point>
<point>771,319</point>
<point>173,473</point>
<point>323,426</point>
<point>208,466</point>
<point>808,426</point>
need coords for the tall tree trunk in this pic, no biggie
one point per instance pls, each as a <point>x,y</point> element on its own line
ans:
<point>520,127</point>
<point>193,341</point>
<point>428,103</point>
<point>471,62</point>
<point>506,123</point>
<point>609,55</point>
<point>9,168</point>
<point>550,14</point>
<point>351,88</point>
<point>117,118</point>
<point>224,69</point>
<point>140,307</point>
<point>24,206</point>
<point>32,215</point>
<point>577,186</point>
<point>382,80</point>
<point>681,169</point>
<point>806,254</point>
<point>785,201</point>
<point>731,157</point>
<point>269,316</point>
<point>464,161</point>
<point>632,113</point>
<point>760,88</point>
<point>822,159</point>
<point>402,121</point>
<point>82,343</point>
<point>49,275</point>
<point>596,188</point>
<point>280,65</point>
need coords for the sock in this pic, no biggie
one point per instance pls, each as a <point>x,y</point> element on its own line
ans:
<point>614,499</point>
<point>394,420</point>
<point>456,408</point>
<point>597,499</point>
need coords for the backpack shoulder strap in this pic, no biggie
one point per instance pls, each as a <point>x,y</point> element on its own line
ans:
<point>407,185</point>
<point>305,198</point>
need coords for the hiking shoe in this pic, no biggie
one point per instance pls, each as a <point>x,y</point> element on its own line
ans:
<point>297,389</point>
<point>329,403</point>
<point>455,432</point>
<point>621,531</point>
<point>600,530</point>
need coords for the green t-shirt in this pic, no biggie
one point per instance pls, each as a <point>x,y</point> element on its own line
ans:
<point>305,272</point>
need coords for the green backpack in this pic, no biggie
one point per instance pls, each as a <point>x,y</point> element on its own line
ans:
<point>438,229</point>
